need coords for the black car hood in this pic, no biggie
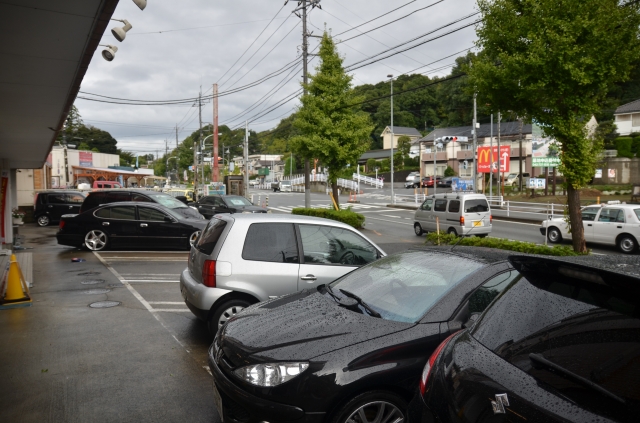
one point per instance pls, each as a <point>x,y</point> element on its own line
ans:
<point>299,326</point>
<point>188,212</point>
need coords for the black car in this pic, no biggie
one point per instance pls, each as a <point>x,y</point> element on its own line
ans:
<point>560,344</point>
<point>96,198</point>
<point>131,225</point>
<point>355,347</point>
<point>445,182</point>
<point>50,205</point>
<point>211,205</point>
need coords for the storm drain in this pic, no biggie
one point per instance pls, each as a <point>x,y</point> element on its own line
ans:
<point>88,273</point>
<point>93,281</point>
<point>97,291</point>
<point>104,304</point>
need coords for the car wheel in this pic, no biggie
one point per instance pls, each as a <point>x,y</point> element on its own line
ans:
<point>418,229</point>
<point>452,231</point>
<point>96,240</point>
<point>192,239</point>
<point>627,244</point>
<point>375,406</point>
<point>225,312</point>
<point>553,235</point>
<point>43,220</point>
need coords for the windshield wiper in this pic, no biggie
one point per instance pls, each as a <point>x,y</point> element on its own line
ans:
<point>330,291</point>
<point>366,306</point>
<point>539,359</point>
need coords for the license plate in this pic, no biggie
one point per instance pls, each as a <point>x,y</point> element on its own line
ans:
<point>477,223</point>
<point>218,402</point>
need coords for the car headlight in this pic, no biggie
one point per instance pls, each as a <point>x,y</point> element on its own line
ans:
<point>271,374</point>
<point>269,211</point>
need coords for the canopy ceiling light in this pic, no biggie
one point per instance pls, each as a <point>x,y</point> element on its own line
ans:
<point>121,32</point>
<point>141,3</point>
<point>109,52</point>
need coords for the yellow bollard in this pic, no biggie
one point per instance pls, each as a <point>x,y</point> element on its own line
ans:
<point>17,288</point>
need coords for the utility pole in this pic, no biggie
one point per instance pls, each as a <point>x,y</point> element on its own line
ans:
<point>500,185</point>
<point>176,136</point>
<point>166,155</point>
<point>246,159</point>
<point>215,173</point>
<point>475,145</point>
<point>305,53</point>
<point>491,159</point>
<point>520,154</point>
<point>195,149</point>
<point>393,201</point>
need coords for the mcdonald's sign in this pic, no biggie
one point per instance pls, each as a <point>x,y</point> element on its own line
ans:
<point>488,160</point>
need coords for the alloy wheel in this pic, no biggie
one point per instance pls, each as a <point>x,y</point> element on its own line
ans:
<point>377,411</point>
<point>95,240</point>
<point>228,314</point>
<point>554,235</point>
<point>193,237</point>
<point>43,220</point>
<point>627,245</point>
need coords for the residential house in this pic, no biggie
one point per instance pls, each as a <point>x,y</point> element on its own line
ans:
<point>398,131</point>
<point>627,118</point>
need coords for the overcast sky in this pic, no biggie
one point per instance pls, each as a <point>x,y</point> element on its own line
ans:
<point>175,47</point>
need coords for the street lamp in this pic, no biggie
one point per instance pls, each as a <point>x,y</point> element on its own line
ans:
<point>391,81</point>
<point>121,32</point>
<point>109,53</point>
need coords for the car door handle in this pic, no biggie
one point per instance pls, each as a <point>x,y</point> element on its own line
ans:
<point>619,227</point>
<point>143,225</point>
<point>589,224</point>
<point>105,223</point>
<point>50,206</point>
<point>308,278</point>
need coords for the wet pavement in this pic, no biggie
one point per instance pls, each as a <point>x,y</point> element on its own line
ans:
<point>97,346</point>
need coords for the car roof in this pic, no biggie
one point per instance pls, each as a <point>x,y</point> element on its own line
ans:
<point>481,254</point>
<point>60,191</point>
<point>457,195</point>
<point>278,218</point>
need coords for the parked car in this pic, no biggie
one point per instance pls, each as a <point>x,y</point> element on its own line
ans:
<point>131,225</point>
<point>427,181</point>
<point>351,350</point>
<point>179,193</point>
<point>242,259</point>
<point>413,180</point>
<point>459,213</point>
<point>559,344</point>
<point>211,205</point>
<point>411,177</point>
<point>513,179</point>
<point>445,182</point>
<point>48,206</point>
<point>254,182</point>
<point>106,184</point>
<point>97,198</point>
<point>614,224</point>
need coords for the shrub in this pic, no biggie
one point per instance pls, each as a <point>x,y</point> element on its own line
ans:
<point>449,171</point>
<point>345,216</point>
<point>501,244</point>
<point>623,145</point>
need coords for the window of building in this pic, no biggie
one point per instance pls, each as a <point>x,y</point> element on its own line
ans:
<point>635,119</point>
<point>623,118</point>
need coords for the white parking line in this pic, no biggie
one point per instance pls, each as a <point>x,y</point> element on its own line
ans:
<point>167,302</point>
<point>390,221</point>
<point>149,281</point>
<point>390,215</point>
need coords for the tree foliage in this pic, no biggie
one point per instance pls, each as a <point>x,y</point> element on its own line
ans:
<point>554,62</point>
<point>331,128</point>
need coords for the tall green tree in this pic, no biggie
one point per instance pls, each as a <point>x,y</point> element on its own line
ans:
<point>553,62</point>
<point>331,128</point>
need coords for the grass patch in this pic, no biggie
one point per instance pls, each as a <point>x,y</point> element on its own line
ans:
<point>501,244</point>
<point>347,216</point>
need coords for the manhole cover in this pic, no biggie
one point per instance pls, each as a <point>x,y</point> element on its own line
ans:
<point>104,304</point>
<point>97,291</point>
<point>93,281</point>
<point>88,273</point>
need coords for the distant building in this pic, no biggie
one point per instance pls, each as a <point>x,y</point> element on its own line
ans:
<point>398,131</point>
<point>627,118</point>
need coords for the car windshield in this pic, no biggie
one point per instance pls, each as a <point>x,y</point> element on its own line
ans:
<point>286,182</point>
<point>238,201</point>
<point>403,287</point>
<point>512,175</point>
<point>167,201</point>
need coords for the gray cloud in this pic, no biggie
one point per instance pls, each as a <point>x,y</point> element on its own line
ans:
<point>177,46</point>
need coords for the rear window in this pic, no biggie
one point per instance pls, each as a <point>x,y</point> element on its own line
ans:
<point>576,319</point>
<point>478,205</point>
<point>93,200</point>
<point>271,242</point>
<point>210,236</point>
<point>454,206</point>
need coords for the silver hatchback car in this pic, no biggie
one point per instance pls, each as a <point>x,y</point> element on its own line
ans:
<point>242,259</point>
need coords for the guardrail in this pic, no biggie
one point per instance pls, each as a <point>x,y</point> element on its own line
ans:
<point>415,198</point>
<point>526,210</point>
<point>369,180</point>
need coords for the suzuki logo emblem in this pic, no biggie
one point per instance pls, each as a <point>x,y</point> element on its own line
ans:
<point>500,403</point>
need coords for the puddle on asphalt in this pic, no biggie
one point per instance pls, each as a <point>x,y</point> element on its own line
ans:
<point>93,281</point>
<point>97,291</point>
<point>105,304</point>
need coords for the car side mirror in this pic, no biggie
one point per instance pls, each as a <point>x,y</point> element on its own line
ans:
<point>168,219</point>
<point>472,319</point>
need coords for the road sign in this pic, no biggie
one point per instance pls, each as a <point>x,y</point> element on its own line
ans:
<point>487,162</point>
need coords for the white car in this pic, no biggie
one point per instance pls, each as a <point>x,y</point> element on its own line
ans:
<point>254,182</point>
<point>613,224</point>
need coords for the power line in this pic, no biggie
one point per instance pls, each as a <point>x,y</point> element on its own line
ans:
<point>198,27</point>
<point>376,18</point>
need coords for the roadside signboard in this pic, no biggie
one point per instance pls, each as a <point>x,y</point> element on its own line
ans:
<point>545,150</point>
<point>458,184</point>
<point>488,162</point>
<point>536,183</point>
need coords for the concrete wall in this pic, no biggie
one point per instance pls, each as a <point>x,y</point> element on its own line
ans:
<point>626,171</point>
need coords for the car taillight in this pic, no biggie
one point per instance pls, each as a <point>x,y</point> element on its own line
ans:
<point>427,367</point>
<point>490,219</point>
<point>61,224</point>
<point>461,220</point>
<point>209,273</point>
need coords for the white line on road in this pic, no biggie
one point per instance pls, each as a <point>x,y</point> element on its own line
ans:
<point>149,281</point>
<point>390,215</point>
<point>167,302</point>
<point>172,310</point>
<point>390,221</point>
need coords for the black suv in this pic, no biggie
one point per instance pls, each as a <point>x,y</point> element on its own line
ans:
<point>561,343</point>
<point>211,205</point>
<point>96,198</point>
<point>48,206</point>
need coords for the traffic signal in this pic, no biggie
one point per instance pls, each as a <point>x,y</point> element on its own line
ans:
<point>465,164</point>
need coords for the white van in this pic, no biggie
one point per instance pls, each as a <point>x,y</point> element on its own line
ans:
<point>463,213</point>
